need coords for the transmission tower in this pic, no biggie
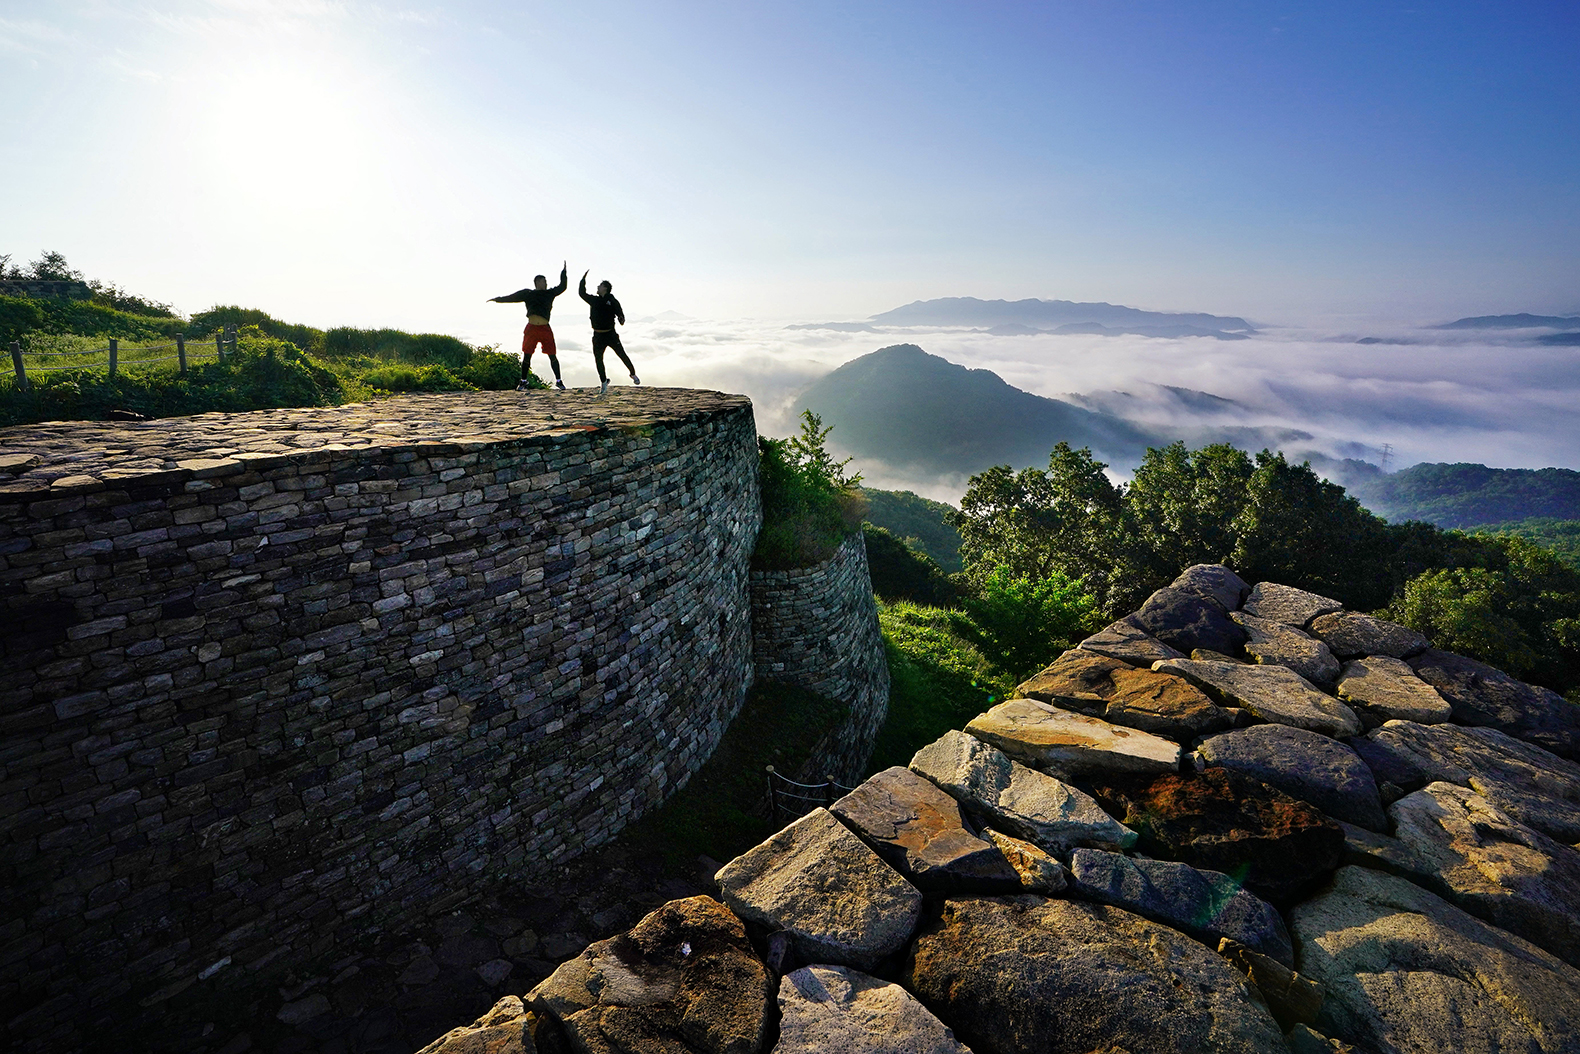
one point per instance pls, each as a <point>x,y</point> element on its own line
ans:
<point>1387,455</point>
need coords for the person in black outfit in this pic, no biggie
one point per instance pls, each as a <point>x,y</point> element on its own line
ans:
<point>540,302</point>
<point>604,309</point>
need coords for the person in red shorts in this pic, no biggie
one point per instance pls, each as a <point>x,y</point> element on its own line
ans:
<point>540,303</point>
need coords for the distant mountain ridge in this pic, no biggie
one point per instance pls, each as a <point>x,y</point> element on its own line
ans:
<point>1519,321</point>
<point>1467,495</point>
<point>970,311</point>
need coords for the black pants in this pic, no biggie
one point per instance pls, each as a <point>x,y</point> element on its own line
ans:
<point>609,339</point>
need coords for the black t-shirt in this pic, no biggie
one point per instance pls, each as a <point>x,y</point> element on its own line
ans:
<point>603,309</point>
<point>539,301</point>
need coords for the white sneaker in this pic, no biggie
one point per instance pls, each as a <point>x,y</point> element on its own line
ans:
<point>523,387</point>
<point>635,379</point>
<point>559,384</point>
<point>603,390</point>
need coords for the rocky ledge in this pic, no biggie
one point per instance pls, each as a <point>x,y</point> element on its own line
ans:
<point>56,457</point>
<point>1238,820</point>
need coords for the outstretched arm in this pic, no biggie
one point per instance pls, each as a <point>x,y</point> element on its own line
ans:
<point>561,287</point>
<point>513,298</point>
<point>581,287</point>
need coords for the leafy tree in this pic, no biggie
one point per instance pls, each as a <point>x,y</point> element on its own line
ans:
<point>52,267</point>
<point>810,504</point>
<point>18,315</point>
<point>1465,609</point>
<point>1180,510</point>
<point>1022,623</point>
<point>900,572</point>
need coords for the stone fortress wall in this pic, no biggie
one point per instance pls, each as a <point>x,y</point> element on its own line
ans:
<point>276,677</point>
<point>817,628</point>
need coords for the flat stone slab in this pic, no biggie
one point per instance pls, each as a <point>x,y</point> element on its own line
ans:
<point>833,1008</point>
<point>1275,644</point>
<point>1062,743</point>
<point>1122,694</point>
<point>1286,604</point>
<point>684,978</point>
<point>1028,974</point>
<point>1539,789</point>
<point>918,830</point>
<point>1387,689</point>
<point>1208,905</point>
<point>1187,621</point>
<point>1019,800</point>
<point>1272,693</point>
<point>1352,635</point>
<point>1037,871</point>
<point>1406,971</point>
<point>1129,643</point>
<point>1215,582</point>
<point>1305,765</point>
<point>503,1030</point>
<point>836,899</point>
<point>176,449</point>
<point>1482,695</point>
<point>1494,867</point>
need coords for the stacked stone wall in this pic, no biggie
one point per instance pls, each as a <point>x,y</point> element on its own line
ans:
<point>277,680</point>
<point>817,628</point>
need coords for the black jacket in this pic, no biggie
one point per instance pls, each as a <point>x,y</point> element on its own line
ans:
<point>539,301</point>
<point>603,309</point>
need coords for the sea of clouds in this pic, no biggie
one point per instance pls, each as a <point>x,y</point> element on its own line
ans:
<point>1496,398</point>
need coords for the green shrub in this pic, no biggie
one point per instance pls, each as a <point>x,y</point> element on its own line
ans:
<point>1021,624</point>
<point>810,505</point>
<point>18,315</point>
<point>306,338</point>
<point>899,572</point>
<point>395,345</point>
<point>494,371</point>
<point>399,377</point>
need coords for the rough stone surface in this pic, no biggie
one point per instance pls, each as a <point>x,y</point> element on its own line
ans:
<point>1215,582</point>
<point>1494,867</point>
<point>684,978</point>
<point>1383,689</point>
<point>1024,802</point>
<point>1383,852</point>
<point>1303,1039</point>
<point>1536,788</point>
<point>1405,970</point>
<point>817,627</point>
<point>824,1009</point>
<point>1351,635</point>
<point>503,1030</point>
<point>1068,744</point>
<point>1482,695</point>
<point>1275,644</point>
<point>1208,905</point>
<point>1286,604</point>
<point>817,881</point>
<point>1129,643</point>
<point>918,830</point>
<point>1036,870</point>
<point>1223,821</point>
<point>1112,689</point>
<point>290,675</point>
<point>1293,999</point>
<point>1304,765</point>
<point>1186,621</point>
<point>1270,692</point>
<point>1017,975</point>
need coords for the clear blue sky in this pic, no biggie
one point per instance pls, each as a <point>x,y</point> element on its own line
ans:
<point>397,163</point>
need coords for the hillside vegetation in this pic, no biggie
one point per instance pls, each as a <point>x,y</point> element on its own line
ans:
<point>276,363</point>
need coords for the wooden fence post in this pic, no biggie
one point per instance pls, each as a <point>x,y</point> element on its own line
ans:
<point>16,361</point>
<point>773,804</point>
<point>181,352</point>
<point>831,792</point>
<point>115,355</point>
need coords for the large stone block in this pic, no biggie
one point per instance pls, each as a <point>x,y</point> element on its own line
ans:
<point>1066,744</point>
<point>1272,693</point>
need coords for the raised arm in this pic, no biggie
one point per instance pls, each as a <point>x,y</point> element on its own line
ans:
<point>557,290</point>
<point>581,287</point>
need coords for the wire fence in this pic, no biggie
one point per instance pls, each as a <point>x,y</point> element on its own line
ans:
<point>224,340</point>
<point>788,798</point>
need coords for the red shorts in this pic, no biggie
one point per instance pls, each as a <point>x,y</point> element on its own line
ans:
<point>534,335</point>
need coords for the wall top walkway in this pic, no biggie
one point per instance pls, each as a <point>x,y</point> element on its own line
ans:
<point>70,457</point>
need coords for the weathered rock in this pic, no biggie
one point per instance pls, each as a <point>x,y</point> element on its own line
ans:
<point>503,1030</point>
<point>1389,767</point>
<point>1385,689</point>
<point>832,1008</point>
<point>1406,971</point>
<point>1303,1039</point>
<point>1304,765</point>
<point>1270,692</point>
<point>1481,695</point>
<point>1286,604</point>
<point>918,830</point>
<point>1383,852</point>
<point>1538,789</point>
<point>1215,582</point>
<point>1185,621</point>
<point>1293,999</point>
<point>684,978</point>
<point>1204,655</point>
<point>1223,821</point>
<point>1037,871</point>
<point>1160,703</point>
<point>1062,743</point>
<point>1129,643</point>
<point>1275,644</point>
<point>1494,867</point>
<point>1351,635</point>
<point>1022,801</point>
<point>817,881</point>
<point>1017,975</point>
<point>1208,905</point>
